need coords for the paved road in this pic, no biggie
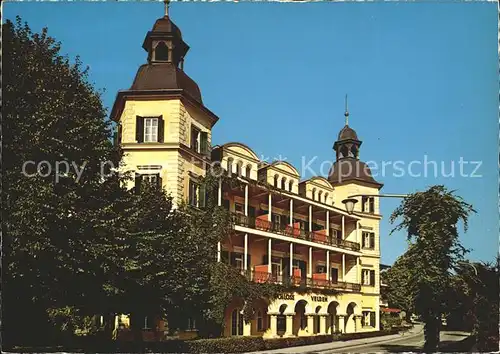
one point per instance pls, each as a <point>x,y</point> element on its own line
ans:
<point>406,343</point>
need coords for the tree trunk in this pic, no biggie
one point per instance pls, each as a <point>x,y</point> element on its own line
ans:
<point>431,332</point>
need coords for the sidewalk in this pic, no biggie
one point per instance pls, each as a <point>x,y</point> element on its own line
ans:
<point>318,348</point>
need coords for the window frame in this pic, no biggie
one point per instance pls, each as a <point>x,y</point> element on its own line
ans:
<point>195,138</point>
<point>153,135</point>
<point>368,240</point>
<point>236,323</point>
<point>260,321</point>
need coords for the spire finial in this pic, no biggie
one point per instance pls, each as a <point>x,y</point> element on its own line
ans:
<point>346,114</point>
<point>167,3</point>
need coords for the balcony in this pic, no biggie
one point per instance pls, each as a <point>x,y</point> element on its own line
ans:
<point>261,223</point>
<point>301,282</point>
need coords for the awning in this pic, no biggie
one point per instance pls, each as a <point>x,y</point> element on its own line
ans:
<point>391,310</point>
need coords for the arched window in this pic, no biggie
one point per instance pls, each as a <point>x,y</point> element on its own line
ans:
<point>283,183</point>
<point>314,194</point>
<point>344,151</point>
<point>317,320</point>
<point>276,180</point>
<point>236,323</point>
<point>260,321</point>
<point>161,52</point>
<point>320,194</point>
<point>230,166</point>
<point>238,168</point>
<point>248,171</point>
<point>354,151</point>
<point>326,198</point>
<point>290,185</point>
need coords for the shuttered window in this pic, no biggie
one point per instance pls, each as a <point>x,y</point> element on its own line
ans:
<point>149,129</point>
<point>368,240</point>
<point>368,277</point>
<point>151,178</point>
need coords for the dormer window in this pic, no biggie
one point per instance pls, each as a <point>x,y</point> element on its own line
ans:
<point>161,52</point>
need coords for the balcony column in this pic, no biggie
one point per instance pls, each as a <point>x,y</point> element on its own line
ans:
<point>219,193</point>
<point>270,208</point>
<point>358,276</point>
<point>341,323</point>
<point>289,324</point>
<point>310,262</point>
<point>291,261</point>
<point>310,323</point>
<point>269,269</point>
<point>310,218</point>
<point>328,223</point>
<point>343,267</point>
<point>291,212</point>
<point>322,323</point>
<point>246,200</point>
<point>343,227</point>
<point>245,257</point>
<point>245,260</point>
<point>328,265</point>
<point>274,324</point>
<point>219,203</point>
<point>357,232</point>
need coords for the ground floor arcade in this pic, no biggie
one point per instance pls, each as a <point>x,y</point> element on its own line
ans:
<point>294,314</point>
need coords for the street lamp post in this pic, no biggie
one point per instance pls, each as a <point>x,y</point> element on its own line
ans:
<point>351,200</point>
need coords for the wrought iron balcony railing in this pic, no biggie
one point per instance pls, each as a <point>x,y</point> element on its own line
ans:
<point>288,230</point>
<point>301,282</point>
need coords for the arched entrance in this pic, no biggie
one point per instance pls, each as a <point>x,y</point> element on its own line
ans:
<point>300,319</point>
<point>234,318</point>
<point>317,319</point>
<point>350,323</point>
<point>281,320</point>
<point>260,322</point>
<point>332,320</point>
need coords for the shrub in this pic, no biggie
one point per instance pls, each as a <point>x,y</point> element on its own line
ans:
<point>278,343</point>
<point>359,335</point>
<point>226,345</point>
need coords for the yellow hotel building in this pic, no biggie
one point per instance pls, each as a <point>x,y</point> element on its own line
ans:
<point>296,232</point>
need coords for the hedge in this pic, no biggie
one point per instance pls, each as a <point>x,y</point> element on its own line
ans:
<point>360,335</point>
<point>213,345</point>
<point>278,343</point>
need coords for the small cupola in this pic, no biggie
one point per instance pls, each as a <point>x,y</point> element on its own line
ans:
<point>164,42</point>
<point>347,144</point>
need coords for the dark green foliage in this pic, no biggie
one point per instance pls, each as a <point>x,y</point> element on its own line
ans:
<point>387,321</point>
<point>431,219</point>
<point>398,291</point>
<point>360,335</point>
<point>278,343</point>
<point>55,232</point>
<point>477,297</point>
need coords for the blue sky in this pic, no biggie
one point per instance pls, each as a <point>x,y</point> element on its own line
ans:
<point>422,80</point>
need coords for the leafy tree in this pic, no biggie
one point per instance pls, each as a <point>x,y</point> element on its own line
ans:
<point>59,229</point>
<point>431,219</point>
<point>398,290</point>
<point>480,287</point>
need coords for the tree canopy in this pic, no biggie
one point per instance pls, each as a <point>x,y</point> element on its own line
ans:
<point>431,219</point>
